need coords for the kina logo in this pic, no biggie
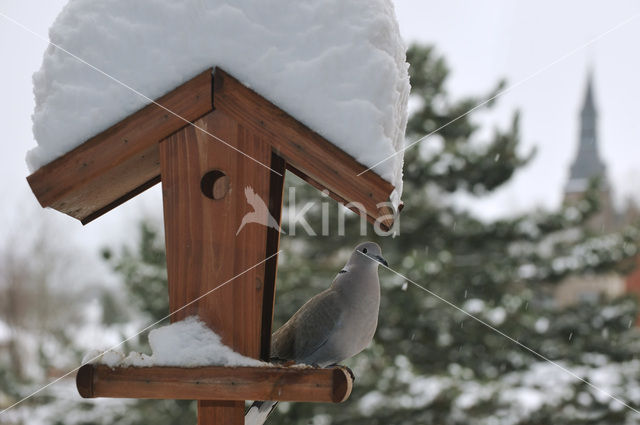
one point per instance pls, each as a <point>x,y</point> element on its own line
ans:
<point>260,213</point>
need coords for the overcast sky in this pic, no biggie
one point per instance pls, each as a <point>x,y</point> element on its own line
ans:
<point>485,40</point>
<point>482,41</point>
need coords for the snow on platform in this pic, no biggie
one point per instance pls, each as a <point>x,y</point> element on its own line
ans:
<point>338,66</point>
<point>187,343</point>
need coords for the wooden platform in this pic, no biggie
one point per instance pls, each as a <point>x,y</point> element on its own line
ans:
<point>330,385</point>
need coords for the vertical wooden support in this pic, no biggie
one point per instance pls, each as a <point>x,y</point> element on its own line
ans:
<point>220,412</point>
<point>201,220</point>
<point>276,191</point>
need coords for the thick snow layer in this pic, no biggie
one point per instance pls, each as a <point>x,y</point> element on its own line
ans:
<point>336,65</point>
<point>188,343</point>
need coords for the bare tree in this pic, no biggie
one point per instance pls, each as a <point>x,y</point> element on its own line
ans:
<point>41,295</point>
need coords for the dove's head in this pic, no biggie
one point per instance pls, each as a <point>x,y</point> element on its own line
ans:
<point>367,253</point>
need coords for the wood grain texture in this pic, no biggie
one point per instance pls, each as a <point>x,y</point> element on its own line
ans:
<point>203,250</point>
<point>220,412</point>
<point>208,249</point>
<point>330,385</point>
<point>311,154</point>
<point>121,159</point>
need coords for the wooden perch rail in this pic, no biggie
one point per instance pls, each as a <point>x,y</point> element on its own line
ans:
<point>331,385</point>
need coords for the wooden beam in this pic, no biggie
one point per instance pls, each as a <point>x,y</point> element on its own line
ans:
<point>117,163</point>
<point>206,241</point>
<point>311,154</point>
<point>276,197</point>
<point>220,412</point>
<point>211,246</point>
<point>330,385</point>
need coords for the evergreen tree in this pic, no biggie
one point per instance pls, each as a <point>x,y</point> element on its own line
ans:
<point>431,363</point>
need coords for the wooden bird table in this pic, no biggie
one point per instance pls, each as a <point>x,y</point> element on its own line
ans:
<point>207,141</point>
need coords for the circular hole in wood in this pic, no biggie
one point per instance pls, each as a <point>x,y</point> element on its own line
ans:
<point>214,184</point>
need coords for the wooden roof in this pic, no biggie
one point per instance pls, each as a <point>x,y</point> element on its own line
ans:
<point>123,161</point>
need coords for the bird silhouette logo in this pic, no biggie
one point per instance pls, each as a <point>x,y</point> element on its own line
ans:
<point>260,213</point>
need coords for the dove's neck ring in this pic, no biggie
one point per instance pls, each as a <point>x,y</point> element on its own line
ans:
<point>358,279</point>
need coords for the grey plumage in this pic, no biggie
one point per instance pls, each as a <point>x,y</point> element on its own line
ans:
<point>332,326</point>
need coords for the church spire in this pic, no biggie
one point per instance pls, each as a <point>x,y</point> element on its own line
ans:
<point>587,163</point>
<point>589,102</point>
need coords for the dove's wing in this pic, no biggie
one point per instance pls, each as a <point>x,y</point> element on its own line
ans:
<point>308,329</point>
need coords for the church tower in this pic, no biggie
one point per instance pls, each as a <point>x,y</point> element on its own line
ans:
<point>588,165</point>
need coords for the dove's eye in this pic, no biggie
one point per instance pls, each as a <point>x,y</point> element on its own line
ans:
<point>364,250</point>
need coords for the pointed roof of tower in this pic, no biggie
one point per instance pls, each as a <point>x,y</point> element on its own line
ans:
<point>589,101</point>
<point>587,163</point>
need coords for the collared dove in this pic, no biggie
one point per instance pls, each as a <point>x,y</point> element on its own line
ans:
<point>334,325</point>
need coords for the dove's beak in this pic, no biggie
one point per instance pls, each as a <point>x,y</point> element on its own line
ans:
<point>381,260</point>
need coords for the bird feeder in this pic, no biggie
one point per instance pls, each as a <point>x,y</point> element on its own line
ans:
<point>206,141</point>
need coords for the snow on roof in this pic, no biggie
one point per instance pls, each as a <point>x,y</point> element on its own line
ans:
<point>188,343</point>
<point>338,66</point>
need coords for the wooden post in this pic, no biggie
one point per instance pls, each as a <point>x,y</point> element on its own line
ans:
<point>204,247</point>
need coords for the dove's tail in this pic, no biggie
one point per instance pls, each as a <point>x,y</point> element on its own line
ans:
<point>258,412</point>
